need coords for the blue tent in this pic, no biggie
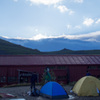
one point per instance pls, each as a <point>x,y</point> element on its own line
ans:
<point>53,90</point>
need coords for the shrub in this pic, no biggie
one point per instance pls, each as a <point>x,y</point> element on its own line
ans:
<point>53,77</point>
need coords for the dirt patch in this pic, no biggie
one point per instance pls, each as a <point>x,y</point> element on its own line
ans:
<point>21,92</point>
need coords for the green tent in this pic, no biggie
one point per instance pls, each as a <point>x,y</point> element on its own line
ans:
<point>87,86</point>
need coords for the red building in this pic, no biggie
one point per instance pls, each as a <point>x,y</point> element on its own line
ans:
<point>67,68</point>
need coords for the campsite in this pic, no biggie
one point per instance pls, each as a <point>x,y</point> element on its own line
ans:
<point>49,50</point>
<point>82,90</point>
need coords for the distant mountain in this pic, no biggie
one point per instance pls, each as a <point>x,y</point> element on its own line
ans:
<point>71,52</point>
<point>7,48</point>
<point>56,44</point>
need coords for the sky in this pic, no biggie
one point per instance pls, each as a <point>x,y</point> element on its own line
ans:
<point>36,19</point>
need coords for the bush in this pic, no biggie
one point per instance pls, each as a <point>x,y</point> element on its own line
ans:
<point>53,77</point>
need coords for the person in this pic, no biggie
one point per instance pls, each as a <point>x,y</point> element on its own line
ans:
<point>33,80</point>
<point>47,75</point>
<point>88,73</point>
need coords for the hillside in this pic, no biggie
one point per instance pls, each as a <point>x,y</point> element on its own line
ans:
<point>7,48</point>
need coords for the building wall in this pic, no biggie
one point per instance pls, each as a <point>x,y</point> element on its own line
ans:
<point>94,70</point>
<point>63,73</point>
<point>76,72</point>
<point>9,74</point>
<point>3,75</point>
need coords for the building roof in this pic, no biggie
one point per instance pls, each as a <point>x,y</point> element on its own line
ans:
<point>50,60</point>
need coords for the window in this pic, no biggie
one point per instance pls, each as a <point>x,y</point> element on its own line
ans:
<point>61,67</point>
<point>62,78</point>
<point>12,79</point>
<point>98,67</point>
<point>92,67</point>
<point>51,67</point>
<point>2,79</point>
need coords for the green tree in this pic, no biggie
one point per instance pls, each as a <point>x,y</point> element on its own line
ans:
<point>52,74</point>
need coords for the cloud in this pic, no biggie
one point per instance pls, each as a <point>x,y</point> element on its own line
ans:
<point>77,27</point>
<point>4,37</point>
<point>93,36</point>
<point>36,30</point>
<point>63,8</point>
<point>15,0</point>
<point>71,12</point>
<point>45,2</point>
<point>55,3</point>
<point>39,36</point>
<point>78,1</point>
<point>69,26</point>
<point>73,27</point>
<point>88,21</point>
<point>98,21</point>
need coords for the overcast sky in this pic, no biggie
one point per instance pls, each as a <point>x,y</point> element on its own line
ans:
<point>49,18</point>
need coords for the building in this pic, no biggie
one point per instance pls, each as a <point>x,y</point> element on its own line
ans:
<point>67,68</point>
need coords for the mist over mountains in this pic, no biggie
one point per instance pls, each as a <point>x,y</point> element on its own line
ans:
<point>55,44</point>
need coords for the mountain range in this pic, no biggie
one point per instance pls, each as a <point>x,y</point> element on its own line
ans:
<point>8,48</point>
<point>56,44</point>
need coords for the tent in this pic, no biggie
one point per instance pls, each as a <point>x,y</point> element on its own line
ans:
<point>53,90</point>
<point>87,86</point>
